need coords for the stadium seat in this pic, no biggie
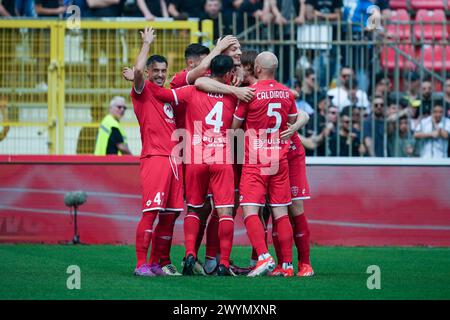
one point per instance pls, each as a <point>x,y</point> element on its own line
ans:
<point>428,4</point>
<point>424,25</point>
<point>399,24</point>
<point>388,57</point>
<point>398,4</point>
<point>435,57</point>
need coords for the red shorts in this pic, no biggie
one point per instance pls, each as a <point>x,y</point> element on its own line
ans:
<point>217,178</point>
<point>161,184</point>
<point>254,186</point>
<point>298,178</point>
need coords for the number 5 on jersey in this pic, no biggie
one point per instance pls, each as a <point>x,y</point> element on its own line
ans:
<point>271,112</point>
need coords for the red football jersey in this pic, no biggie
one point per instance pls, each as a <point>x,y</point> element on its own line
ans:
<point>180,80</point>
<point>296,147</point>
<point>156,121</point>
<point>208,117</point>
<point>265,118</point>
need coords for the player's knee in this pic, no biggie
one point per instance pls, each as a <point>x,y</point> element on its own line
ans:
<point>296,208</point>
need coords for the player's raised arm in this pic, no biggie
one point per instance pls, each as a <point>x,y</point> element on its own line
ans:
<point>295,124</point>
<point>210,85</point>
<point>203,67</point>
<point>148,35</point>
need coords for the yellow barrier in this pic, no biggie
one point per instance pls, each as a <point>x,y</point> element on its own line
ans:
<point>57,82</point>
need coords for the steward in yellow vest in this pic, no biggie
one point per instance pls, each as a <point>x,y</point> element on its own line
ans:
<point>111,138</point>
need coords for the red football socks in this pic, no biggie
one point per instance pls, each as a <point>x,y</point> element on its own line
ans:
<point>226,232</point>
<point>144,233</point>
<point>191,228</point>
<point>212,236</point>
<point>276,244</point>
<point>162,238</point>
<point>256,234</point>
<point>284,231</point>
<point>301,238</point>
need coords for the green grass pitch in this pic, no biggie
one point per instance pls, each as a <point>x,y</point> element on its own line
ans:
<point>39,272</point>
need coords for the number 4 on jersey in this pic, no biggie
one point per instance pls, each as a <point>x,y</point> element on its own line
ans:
<point>214,117</point>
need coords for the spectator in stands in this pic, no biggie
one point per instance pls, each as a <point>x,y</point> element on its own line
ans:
<point>105,8</point>
<point>7,8</point>
<point>316,125</point>
<point>400,140</point>
<point>111,138</point>
<point>433,132</point>
<point>25,8</point>
<point>357,117</point>
<point>152,9</point>
<point>426,93</point>
<point>323,10</point>
<point>4,113</point>
<point>349,143</point>
<point>326,128</point>
<point>412,94</point>
<point>310,88</point>
<point>329,11</point>
<point>50,8</point>
<point>347,91</point>
<point>447,97</point>
<point>211,11</point>
<point>363,12</point>
<point>383,85</point>
<point>375,129</point>
<point>182,9</point>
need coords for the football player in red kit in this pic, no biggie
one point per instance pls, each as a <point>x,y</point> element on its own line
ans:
<point>161,178</point>
<point>208,159</point>
<point>265,170</point>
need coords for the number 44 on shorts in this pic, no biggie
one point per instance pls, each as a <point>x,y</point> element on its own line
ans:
<point>158,199</point>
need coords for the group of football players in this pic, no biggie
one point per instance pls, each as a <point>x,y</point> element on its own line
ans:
<point>224,136</point>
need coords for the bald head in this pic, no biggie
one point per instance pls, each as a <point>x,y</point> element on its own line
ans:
<point>266,63</point>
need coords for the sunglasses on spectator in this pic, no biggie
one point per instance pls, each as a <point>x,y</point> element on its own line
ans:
<point>379,105</point>
<point>122,107</point>
<point>346,75</point>
<point>332,112</point>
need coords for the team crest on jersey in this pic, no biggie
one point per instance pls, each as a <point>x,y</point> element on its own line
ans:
<point>294,190</point>
<point>168,110</point>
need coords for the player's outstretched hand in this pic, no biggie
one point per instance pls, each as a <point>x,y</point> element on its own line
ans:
<point>128,74</point>
<point>148,35</point>
<point>225,42</point>
<point>244,94</point>
<point>289,132</point>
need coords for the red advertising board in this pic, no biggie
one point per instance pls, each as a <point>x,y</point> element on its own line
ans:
<point>352,205</point>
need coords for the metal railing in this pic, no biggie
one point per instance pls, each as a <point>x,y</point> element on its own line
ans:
<point>57,82</point>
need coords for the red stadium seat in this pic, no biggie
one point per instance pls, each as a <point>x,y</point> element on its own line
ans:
<point>398,4</point>
<point>399,24</point>
<point>388,57</point>
<point>424,25</point>
<point>436,57</point>
<point>428,4</point>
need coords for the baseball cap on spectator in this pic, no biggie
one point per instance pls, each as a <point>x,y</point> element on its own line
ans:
<point>412,76</point>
